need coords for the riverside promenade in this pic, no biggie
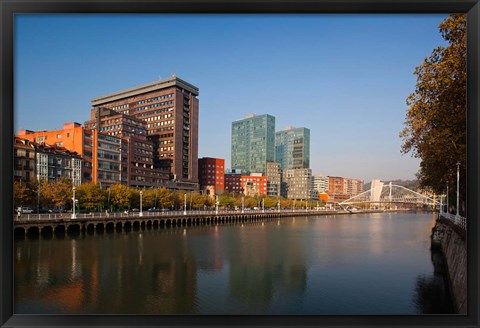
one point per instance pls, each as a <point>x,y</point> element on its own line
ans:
<point>119,221</point>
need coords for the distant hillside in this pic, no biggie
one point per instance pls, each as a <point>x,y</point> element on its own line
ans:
<point>410,184</point>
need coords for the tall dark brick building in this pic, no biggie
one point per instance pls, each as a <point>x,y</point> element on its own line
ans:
<point>170,110</point>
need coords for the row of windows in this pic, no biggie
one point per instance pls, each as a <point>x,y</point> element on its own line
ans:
<point>213,177</point>
<point>108,138</point>
<point>142,159</point>
<point>108,176</point>
<point>106,155</point>
<point>158,111</point>
<point>159,117</point>
<point>108,166</point>
<point>213,171</point>
<point>143,152</point>
<point>23,153</point>
<point>108,146</point>
<point>168,128</point>
<point>170,95</point>
<point>234,187</point>
<point>212,165</point>
<point>165,103</point>
<point>126,128</point>
<point>160,123</point>
<point>121,107</point>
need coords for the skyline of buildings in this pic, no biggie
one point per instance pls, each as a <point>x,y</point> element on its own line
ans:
<point>146,136</point>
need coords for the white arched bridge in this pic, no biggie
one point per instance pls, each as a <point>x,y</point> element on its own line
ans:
<point>381,195</point>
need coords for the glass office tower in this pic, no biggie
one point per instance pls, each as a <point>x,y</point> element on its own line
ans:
<point>253,143</point>
<point>292,148</point>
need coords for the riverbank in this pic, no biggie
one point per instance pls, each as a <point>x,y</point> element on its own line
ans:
<point>120,221</point>
<point>451,240</point>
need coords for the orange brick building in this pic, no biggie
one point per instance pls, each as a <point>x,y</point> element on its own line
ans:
<point>341,189</point>
<point>72,137</point>
<point>254,185</point>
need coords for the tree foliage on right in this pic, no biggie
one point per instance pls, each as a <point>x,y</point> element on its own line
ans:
<point>435,125</point>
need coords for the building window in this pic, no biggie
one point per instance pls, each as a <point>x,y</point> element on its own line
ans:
<point>59,136</point>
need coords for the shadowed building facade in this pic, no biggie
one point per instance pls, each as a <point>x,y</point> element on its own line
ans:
<point>169,108</point>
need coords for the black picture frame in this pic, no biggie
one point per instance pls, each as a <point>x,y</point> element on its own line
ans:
<point>8,8</point>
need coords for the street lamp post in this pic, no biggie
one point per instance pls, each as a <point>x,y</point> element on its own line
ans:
<point>108,205</point>
<point>447,198</point>
<point>458,188</point>
<point>216,204</point>
<point>38,196</point>
<point>74,203</point>
<point>141,207</point>
<point>184,204</point>
<point>263,205</point>
<point>243,203</point>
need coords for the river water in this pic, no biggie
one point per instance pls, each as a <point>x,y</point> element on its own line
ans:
<point>342,264</point>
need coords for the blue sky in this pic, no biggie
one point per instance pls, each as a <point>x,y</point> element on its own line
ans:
<point>345,77</point>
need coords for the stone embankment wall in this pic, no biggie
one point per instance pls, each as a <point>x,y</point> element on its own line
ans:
<point>452,241</point>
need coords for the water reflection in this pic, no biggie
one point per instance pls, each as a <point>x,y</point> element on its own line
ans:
<point>432,292</point>
<point>340,264</point>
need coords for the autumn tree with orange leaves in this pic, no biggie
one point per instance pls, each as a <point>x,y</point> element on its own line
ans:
<point>435,126</point>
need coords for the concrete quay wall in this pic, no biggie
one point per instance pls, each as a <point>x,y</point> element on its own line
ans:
<point>451,240</point>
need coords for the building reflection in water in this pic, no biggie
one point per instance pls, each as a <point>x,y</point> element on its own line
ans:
<point>292,266</point>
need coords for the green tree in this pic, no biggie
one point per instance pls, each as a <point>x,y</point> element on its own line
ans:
<point>38,193</point>
<point>226,201</point>
<point>435,126</point>
<point>250,202</point>
<point>58,192</point>
<point>120,196</point>
<point>165,198</point>
<point>135,198</point>
<point>149,197</point>
<point>200,201</point>
<point>20,194</point>
<point>90,196</point>
<point>270,202</point>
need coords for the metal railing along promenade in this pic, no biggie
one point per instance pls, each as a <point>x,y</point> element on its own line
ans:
<point>156,214</point>
<point>455,219</point>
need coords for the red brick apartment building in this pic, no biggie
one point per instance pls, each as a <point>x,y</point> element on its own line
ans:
<point>341,189</point>
<point>136,161</point>
<point>250,185</point>
<point>211,173</point>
